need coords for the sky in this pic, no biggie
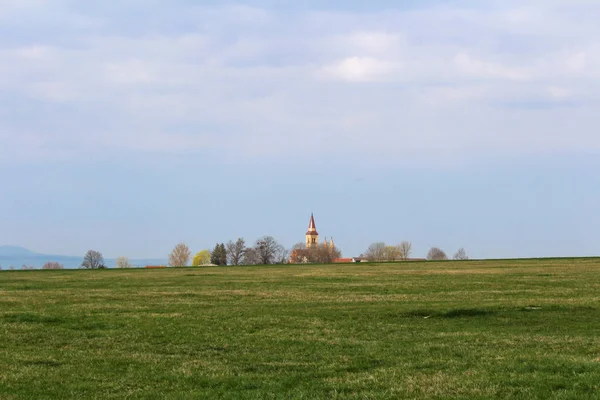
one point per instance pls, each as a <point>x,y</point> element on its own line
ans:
<point>127,127</point>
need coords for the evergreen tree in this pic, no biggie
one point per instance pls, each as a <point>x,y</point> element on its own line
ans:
<point>215,257</point>
<point>219,255</point>
<point>222,254</point>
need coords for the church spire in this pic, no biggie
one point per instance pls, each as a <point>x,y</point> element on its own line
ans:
<point>312,228</point>
<point>312,236</point>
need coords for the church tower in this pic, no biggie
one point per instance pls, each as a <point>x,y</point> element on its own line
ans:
<point>312,236</point>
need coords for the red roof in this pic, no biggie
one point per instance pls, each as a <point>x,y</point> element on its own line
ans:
<point>342,260</point>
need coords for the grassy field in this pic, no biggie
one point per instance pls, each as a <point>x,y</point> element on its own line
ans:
<point>495,329</point>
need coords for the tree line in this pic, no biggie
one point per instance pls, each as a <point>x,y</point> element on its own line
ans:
<point>319,254</point>
<point>379,251</point>
<point>48,265</point>
<point>437,254</point>
<point>265,250</point>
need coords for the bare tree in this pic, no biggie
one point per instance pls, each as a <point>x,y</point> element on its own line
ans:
<point>235,251</point>
<point>26,267</point>
<point>283,256</point>
<point>299,254</point>
<point>375,252</point>
<point>327,254</point>
<point>461,254</point>
<point>251,257</point>
<point>53,265</point>
<point>321,254</point>
<point>391,253</point>
<point>405,250</point>
<point>93,260</point>
<point>436,254</point>
<point>123,262</point>
<point>180,256</point>
<point>269,251</point>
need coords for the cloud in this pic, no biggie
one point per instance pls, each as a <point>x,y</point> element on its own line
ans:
<point>469,65</point>
<point>362,69</point>
<point>252,82</point>
<point>559,93</point>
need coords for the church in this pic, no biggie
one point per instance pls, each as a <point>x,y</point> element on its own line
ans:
<point>311,244</point>
<point>312,236</point>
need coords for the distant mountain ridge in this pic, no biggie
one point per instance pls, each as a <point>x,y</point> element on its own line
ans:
<point>17,256</point>
<point>15,251</point>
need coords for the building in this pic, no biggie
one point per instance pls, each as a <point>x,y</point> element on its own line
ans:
<point>348,260</point>
<point>312,236</point>
<point>303,255</point>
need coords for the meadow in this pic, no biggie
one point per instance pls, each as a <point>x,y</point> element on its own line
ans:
<point>522,329</point>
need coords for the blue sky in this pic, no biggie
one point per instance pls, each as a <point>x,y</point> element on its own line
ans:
<point>129,126</point>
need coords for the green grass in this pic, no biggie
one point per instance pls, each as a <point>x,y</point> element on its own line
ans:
<point>481,329</point>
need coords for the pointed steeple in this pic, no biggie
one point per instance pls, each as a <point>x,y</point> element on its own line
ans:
<point>312,228</point>
<point>312,236</point>
<point>331,243</point>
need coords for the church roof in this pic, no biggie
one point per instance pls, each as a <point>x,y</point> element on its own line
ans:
<point>312,228</point>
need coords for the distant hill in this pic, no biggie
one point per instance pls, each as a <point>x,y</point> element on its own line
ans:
<point>17,256</point>
<point>15,251</point>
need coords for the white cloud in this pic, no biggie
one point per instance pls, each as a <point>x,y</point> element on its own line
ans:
<point>559,93</point>
<point>362,69</point>
<point>251,82</point>
<point>366,43</point>
<point>576,63</point>
<point>472,66</point>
